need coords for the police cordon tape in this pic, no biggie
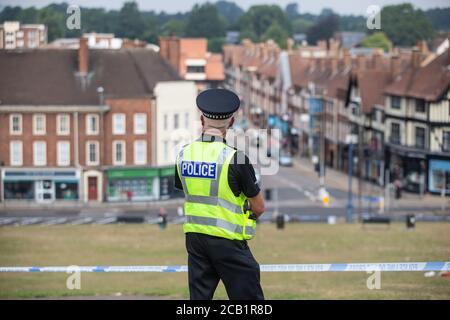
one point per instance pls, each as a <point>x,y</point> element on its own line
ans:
<point>332,267</point>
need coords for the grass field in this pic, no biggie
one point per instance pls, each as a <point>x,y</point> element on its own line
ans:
<point>298,243</point>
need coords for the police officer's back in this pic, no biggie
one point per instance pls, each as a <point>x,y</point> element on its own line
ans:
<point>219,185</point>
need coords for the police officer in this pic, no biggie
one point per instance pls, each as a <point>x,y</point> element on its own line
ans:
<point>222,203</point>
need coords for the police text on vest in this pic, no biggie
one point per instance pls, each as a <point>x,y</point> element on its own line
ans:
<point>197,169</point>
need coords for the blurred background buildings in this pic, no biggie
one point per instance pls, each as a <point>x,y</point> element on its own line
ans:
<point>97,114</point>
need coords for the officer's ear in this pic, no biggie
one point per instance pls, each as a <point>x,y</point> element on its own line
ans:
<point>231,122</point>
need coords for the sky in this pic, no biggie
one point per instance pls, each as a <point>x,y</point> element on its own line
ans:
<point>357,7</point>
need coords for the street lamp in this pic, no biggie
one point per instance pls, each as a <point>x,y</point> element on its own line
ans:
<point>351,139</point>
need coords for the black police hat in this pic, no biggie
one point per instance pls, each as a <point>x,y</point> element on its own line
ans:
<point>218,103</point>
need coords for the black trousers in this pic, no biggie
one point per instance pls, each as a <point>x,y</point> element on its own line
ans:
<point>211,259</point>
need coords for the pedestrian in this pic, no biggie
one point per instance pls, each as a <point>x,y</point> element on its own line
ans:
<point>222,203</point>
<point>162,215</point>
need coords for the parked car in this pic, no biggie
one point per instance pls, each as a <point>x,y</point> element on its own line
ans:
<point>285,160</point>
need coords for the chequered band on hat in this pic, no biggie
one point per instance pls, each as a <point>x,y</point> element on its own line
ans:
<point>217,116</point>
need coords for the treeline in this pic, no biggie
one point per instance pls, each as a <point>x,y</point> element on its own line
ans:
<point>402,24</point>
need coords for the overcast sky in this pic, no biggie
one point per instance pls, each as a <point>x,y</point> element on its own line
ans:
<point>172,6</point>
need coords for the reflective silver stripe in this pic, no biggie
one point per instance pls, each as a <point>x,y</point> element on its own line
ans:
<point>202,199</point>
<point>214,187</point>
<point>207,221</point>
<point>215,201</point>
<point>250,231</point>
<point>229,206</point>
<point>183,180</point>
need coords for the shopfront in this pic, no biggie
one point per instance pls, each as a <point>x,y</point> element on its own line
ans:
<point>409,168</point>
<point>439,175</point>
<point>167,184</point>
<point>42,186</point>
<point>133,184</point>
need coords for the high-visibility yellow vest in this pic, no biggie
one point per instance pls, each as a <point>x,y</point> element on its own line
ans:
<point>210,205</point>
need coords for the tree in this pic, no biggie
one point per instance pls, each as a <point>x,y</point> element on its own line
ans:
<point>10,13</point>
<point>259,18</point>
<point>204,21</point>
<point>292,11</point>
<point>323,29</point>
<point>352,23</point>
<point>131,23</point>
<point>277,34</point>
<point>28,15</point>
<point>55,22</point>
<point>439,18</point>
<point>377,40</point>
<point>300,25</point>
<point>249,34</point>
<point>405,25</point>
<point>216,44</point>
<point>230,11</point>
<point>174,28</point>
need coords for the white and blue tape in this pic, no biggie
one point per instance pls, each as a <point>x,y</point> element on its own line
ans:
<point>332,267</point>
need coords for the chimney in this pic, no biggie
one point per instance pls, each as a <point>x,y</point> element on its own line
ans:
<point>415,58</point>
<point>422,46</point>
<point>361,62</point>
<point>290,44</point>
<point>334,65</point>
<point>322,44</point>
<point>347,59</point>
<point>377,61</point>
<point>83,56</point>
<point>318,64</point>
<point>395,66</point>
<point>334,47</point>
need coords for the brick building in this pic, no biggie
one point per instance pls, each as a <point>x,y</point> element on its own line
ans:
<point>191,59</point>
<point>14,35</point>
<point>77,124</point>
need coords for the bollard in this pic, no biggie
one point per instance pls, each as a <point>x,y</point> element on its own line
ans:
<point>410,221</point>
<point>280,221</point>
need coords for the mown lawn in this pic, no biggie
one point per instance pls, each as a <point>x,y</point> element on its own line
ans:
<point>298,243</point>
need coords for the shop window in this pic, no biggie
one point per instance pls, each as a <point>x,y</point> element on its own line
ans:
<point>129,189</point>
<point>441,179</point>
<point>66,190</point>
<point>19,190</point>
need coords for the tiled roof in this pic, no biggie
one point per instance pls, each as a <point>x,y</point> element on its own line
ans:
<point>427,82</point>
<point>49,76</point>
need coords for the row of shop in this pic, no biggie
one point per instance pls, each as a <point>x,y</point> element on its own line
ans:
<point>112,185</point>
<point>419,172</point>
